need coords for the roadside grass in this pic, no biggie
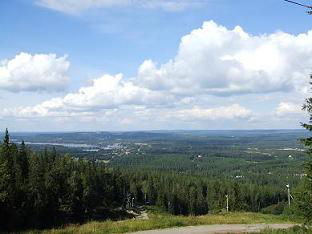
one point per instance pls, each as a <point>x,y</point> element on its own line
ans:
<point>294,230</point>
<point>159,219</point>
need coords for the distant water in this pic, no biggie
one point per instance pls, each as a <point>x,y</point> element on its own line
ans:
<point>86,147</point>
<point>69,145</point>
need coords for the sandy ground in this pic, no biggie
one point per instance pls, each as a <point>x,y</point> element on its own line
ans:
<point>226,228</point>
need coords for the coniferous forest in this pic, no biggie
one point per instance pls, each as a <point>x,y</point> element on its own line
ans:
<point>46,189</point>
<point>40,189</point>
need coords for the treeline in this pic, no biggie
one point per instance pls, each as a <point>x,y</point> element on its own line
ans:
<point>196,195</point>
<point>46,189</point>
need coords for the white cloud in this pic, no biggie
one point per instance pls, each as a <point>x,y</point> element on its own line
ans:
<point>185,115</point>
<point>213,68</point>
<point>286,108</point>
<point>76,6</point>
<point>234,111</point>
<point>214,60</point>
<point>109,92</point>
<point>167,5</point>
<point>106,92</point>
<point>39,72</point>
<point>172,118</point>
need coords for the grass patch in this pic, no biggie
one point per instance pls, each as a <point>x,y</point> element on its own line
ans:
<point>159,219</point>
<point>294,230</point>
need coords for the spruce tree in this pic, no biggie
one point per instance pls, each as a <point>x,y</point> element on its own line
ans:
<point>304,196</point>
<point>7,181</point>
<point>7,175</point>
<point>23,160</point>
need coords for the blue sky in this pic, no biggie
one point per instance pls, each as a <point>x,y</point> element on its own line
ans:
<point>66,56</point>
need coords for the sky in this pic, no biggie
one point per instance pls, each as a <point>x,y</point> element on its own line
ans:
<point>123,65</point>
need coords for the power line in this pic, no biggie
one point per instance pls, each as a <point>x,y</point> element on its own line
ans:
<point>303,5</point>
<point>307,6</point>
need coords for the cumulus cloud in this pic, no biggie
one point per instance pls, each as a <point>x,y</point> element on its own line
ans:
<point>114,94</point>
<point>39,72</point>
<point>76,6</point>
<point>286,108</point>
<point>106,92</point>
<point>136,114</point>
<point>113,91</point>
<point>184,116</point>
<point>212,63</point>
<point>234,111</point>
<point>218,61</point>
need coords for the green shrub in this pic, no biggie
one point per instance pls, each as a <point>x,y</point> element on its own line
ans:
<point>275,209</point>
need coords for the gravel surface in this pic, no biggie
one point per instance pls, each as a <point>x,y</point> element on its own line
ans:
<point>226,228</point>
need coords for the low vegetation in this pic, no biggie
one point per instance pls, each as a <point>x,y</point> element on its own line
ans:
<point>295,230</point>
<point>159,219</point>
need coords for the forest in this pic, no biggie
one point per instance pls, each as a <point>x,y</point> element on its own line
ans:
<point>47,189</point>
<point>41,188</point>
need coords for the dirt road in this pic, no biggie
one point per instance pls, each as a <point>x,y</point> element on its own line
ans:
<point>226,228</point>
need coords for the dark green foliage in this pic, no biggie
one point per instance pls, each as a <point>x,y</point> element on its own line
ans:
<point>46,189</point>
<point>303,201</point>
<point>195,195</point>
<point>275,209</point>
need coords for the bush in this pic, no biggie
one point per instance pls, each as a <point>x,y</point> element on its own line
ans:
<point>275,209</point>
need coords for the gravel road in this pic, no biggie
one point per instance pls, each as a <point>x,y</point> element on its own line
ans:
<point>226,228</point>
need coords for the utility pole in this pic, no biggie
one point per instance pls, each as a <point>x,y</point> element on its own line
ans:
<point>227,203</point>
<point>288,191</point>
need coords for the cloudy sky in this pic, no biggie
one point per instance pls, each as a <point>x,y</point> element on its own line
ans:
<point>79,65</point>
